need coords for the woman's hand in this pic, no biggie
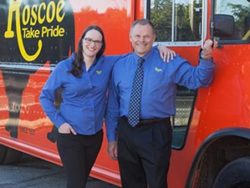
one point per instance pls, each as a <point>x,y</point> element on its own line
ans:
<point>166,53</point>
<point>66,129</point>
<point>112,150</point>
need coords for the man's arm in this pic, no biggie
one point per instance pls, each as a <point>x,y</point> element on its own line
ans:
<point>201,75</point>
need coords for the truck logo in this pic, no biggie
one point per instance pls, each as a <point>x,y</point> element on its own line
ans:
<point>27,17</point>
<point>32,33</point>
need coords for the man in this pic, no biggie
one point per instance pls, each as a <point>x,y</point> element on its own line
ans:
<point>141,101</point>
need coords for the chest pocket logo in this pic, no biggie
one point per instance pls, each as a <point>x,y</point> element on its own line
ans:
<point>98,72</point>
<point>158,69</point>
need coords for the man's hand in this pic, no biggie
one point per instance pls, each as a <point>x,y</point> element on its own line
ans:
<point>112,150</point>
<point>166,53</point>
<point>66,129</point>
<point>207,49</point>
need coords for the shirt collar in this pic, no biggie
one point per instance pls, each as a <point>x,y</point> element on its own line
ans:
<point>145,57</point>
<point>96,61</point>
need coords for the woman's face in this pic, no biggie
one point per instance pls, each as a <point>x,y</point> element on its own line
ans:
<point>91,43</point>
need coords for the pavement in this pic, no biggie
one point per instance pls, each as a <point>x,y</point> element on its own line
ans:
<point>36,173</point>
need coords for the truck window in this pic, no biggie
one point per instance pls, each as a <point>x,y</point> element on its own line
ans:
<point>178,21</point>
<point>234,17</point>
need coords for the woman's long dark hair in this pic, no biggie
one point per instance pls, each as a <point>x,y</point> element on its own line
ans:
<point>79,60</point>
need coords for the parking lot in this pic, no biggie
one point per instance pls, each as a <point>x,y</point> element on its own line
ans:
<point>35,173</point>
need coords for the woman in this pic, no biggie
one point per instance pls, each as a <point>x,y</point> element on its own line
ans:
<point>83,79</point>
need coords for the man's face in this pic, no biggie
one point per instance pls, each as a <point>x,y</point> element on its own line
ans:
<point>142,38</point>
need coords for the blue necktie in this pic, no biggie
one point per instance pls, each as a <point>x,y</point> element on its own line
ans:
<point>135,98</point>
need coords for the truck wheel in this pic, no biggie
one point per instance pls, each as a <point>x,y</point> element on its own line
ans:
<point>235,174</point>
<point>9,155</point>
<point>3,150</point>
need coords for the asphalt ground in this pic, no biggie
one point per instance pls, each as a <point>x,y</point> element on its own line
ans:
<point>36,173</point>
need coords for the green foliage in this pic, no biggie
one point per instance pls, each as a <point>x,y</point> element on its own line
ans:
<point>161,16</point>
<point>186,21</point>
<point>240,12</point>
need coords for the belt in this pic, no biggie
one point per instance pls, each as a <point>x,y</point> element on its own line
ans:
<point>143,122</point>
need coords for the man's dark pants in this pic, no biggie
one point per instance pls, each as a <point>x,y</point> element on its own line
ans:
<point>143,153</point>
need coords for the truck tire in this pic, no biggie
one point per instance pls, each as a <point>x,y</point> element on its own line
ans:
<point>235,174</point>
<point>9,155</point>
<point>3,151</point>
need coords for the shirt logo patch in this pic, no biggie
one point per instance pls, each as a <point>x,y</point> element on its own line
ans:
<point>98,71</point>
<point>158,69</point>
